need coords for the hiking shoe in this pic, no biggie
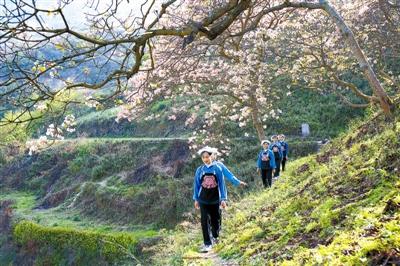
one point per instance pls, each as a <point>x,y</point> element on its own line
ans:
<point>215,240</point>
<point>205,248</point>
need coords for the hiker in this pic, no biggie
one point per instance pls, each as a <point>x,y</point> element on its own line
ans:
<point>225,171</point>
<point>284,149</point>
<point>266,164</point>
<point>276,149</point>
<point>209,195</point>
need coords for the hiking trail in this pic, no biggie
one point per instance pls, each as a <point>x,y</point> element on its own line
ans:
<point>210,258</point>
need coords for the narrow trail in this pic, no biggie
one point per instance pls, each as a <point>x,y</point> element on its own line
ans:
<point>210,258</point>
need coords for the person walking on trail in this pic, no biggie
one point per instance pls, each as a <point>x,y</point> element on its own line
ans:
<point>225,171</point>
<point>266,164</point>
<point>275,146</point>
<point>209,195</point>
<point>284,149</point>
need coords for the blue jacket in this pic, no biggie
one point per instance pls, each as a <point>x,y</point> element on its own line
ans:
<point>277,144</point>
<point>271,159</point>
<point>212,169</point>
<point>284,148</point>
<point>228,174</point>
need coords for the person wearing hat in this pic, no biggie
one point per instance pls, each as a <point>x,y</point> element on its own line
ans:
<point>225,171</point>
<point>275,146</point>
<point>209,195</point>
<point>284,149</point>
<point>266,164</point>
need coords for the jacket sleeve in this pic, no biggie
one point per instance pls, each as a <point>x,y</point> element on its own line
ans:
<point>272,160</point>
<point>221,185</point>
<point>228,174</point>
<point>196,185</point>
<point>259,161</point>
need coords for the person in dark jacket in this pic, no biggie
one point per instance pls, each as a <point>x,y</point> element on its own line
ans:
<point>275,146</point>
<point>266,164</point>
<point>284,149</point>
<point>209,195</point>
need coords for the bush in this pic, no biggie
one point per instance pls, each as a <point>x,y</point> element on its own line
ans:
<point>63,242</point>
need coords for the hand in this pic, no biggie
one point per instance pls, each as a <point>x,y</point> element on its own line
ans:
<point>258,170</point>
<point>223,204</point>
<point>287,158</point>
<point>243,184</point>
<point>273,171</point>
<point>196,205</point>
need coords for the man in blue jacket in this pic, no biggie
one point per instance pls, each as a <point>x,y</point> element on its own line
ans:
<point>266,164</point>
<point>284,149</point>
<point>209,195</point>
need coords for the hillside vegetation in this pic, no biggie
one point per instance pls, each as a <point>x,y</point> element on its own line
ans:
<point>303,106</point>
<point>339,207</point>
<point>112,197</point>
<point>101,193</point>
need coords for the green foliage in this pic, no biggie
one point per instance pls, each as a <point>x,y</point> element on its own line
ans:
<point>339,207</point>
<point>24,202</point>
<point>160,106</point>
<point>86,245</point>
<point>324,112</point>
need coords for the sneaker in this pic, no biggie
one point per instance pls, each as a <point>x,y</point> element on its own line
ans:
<point>215,241</point>
<point>205,248</point>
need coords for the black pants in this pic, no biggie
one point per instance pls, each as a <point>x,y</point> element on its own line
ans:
<point>283,163</point>
<point>266,176</point>
<point>278,168</point>
<point>210,217</point>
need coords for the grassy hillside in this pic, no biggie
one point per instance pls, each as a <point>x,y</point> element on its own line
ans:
<point>90,200</point>
<point>303,106</point>
<point>103,124</point>
<point>113,198</point>
<point>103,178</point>
<point>339,207</point>
<point>91,190</point>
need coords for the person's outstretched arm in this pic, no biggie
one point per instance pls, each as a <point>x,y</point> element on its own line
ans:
<point>229,175</point>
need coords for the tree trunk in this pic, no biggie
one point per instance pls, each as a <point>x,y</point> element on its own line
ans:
<point>384,100</point>
<point>255,116</point>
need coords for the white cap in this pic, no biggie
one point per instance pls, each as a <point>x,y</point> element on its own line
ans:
<point>265,141</point>
<point>208,149</point>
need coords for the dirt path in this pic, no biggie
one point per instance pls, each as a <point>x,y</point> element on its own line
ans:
<point>210,258</point>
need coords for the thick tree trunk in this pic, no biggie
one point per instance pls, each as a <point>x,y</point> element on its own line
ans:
<point>260,130</point>
<point>384,100</point>
<point>255,116</point>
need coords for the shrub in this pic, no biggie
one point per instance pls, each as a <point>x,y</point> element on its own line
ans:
<point>63,242</point>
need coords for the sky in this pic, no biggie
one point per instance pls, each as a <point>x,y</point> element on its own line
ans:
<point>77,10</point>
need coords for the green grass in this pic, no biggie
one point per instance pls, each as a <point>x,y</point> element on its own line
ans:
<point>98,115</point>
<point>59,235</point>
<point>339,207</point>
<point>53,243</point>
<point>23,202</point>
